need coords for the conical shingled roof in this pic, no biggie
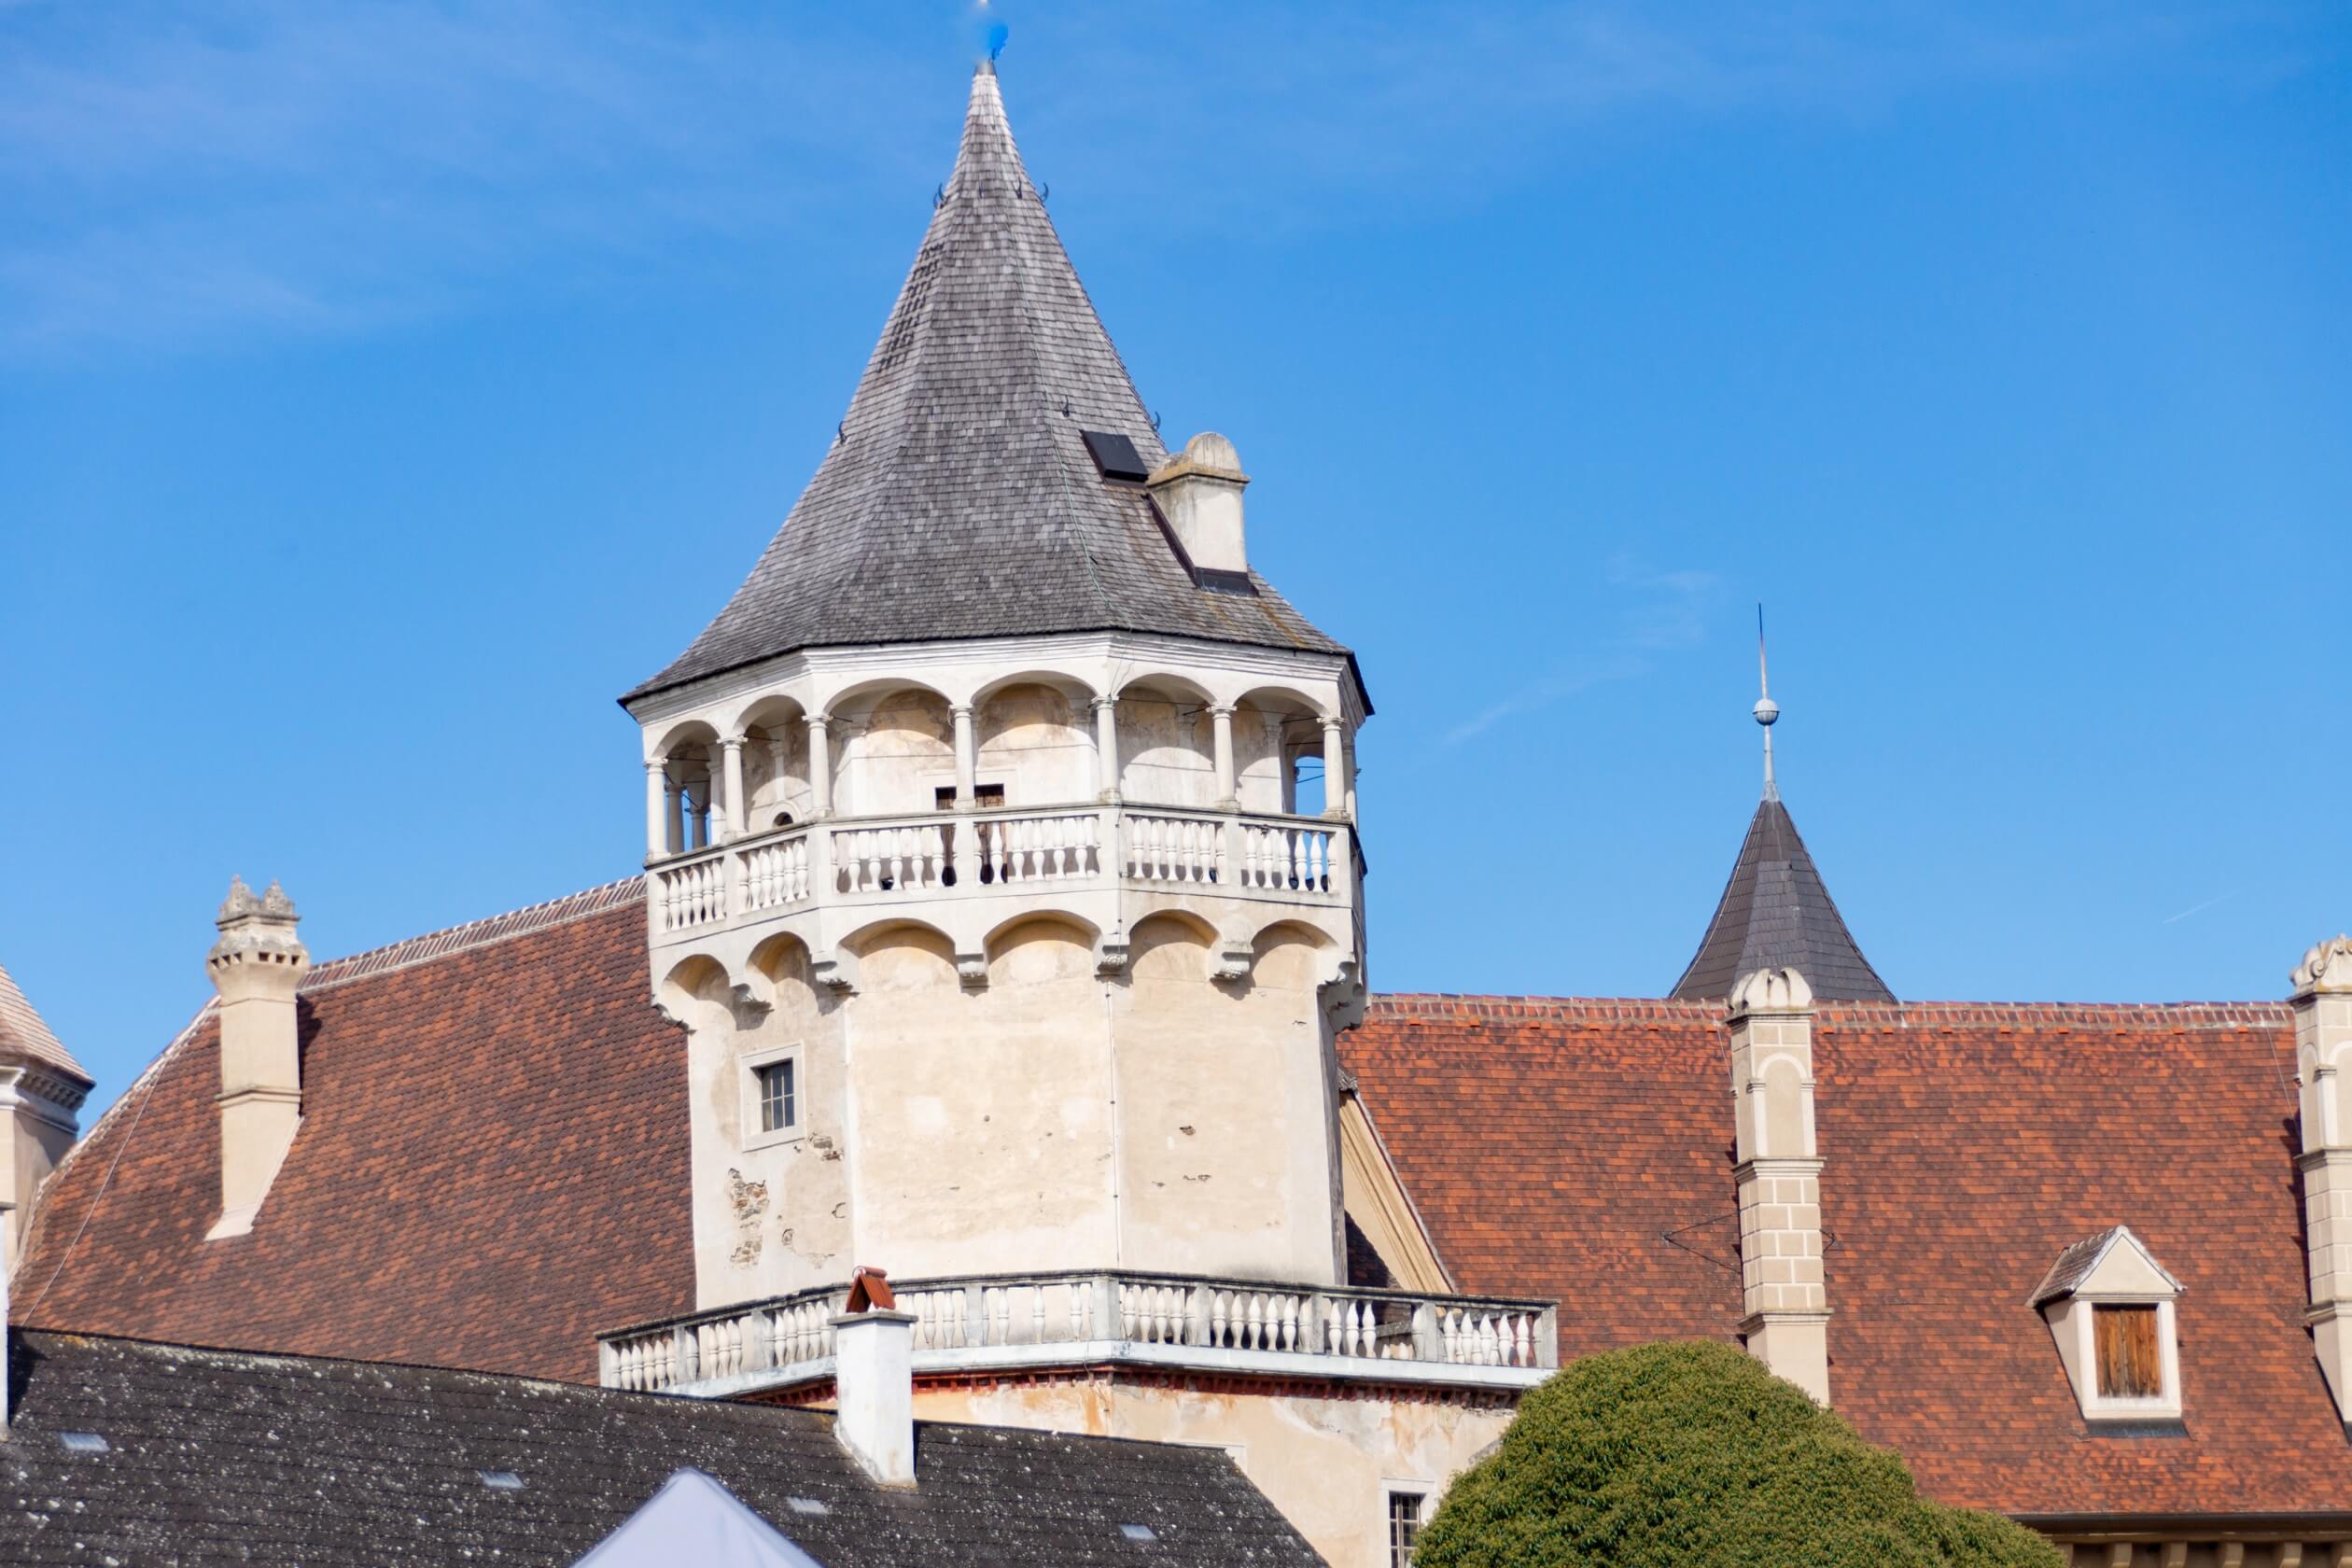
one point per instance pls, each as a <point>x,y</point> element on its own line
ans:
<point>960,500</point>
<point>25,1037</point>
<point>1776,913</point>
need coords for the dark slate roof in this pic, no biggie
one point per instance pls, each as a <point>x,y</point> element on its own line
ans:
<point>1776,913</point>
<point>960,500</point>
<point>217,1456</point>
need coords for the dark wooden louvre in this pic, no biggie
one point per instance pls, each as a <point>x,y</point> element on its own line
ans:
<point>2130,1364</point>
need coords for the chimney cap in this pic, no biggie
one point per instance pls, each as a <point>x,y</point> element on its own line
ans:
<point>1209,456</point>
<point>869,1288</point>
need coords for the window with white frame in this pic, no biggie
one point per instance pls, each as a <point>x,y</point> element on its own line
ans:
<point>2110,1306</point>
<point>1407,1511</point>
<point>775,1097</point>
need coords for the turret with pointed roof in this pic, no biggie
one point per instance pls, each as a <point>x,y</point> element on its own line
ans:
<point>1776,913</point>
<point>959,499</point>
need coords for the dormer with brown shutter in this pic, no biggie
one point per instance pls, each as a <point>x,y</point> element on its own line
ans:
<point>2109,1307</point>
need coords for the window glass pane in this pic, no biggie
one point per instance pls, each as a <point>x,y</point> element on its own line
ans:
<point>777,1110</point>
<point>1405,1522</point>
<point>2130,1364</point>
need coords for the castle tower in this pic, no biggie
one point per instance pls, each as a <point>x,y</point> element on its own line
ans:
<point>999,829</point>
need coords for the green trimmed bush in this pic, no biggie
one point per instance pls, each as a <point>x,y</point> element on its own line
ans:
<point>1693,1456</point>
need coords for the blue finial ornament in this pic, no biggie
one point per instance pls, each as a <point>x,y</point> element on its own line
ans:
<point>998,32</point>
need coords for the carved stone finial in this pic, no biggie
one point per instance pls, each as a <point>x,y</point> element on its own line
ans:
<point>2328,967</point>
<point>239,903</point>
<point>1772,990</point>
<point>257,928</point>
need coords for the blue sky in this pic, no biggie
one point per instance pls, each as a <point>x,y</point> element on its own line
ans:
<point>384,388</point>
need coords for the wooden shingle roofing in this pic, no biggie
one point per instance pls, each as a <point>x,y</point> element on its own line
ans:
<point>959,499</point>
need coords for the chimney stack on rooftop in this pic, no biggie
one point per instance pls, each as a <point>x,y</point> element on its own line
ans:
<point>873,1379</point>
<point>1200,492</point>
<point>255,966</point>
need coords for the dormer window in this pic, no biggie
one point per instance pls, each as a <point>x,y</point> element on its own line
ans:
<point>2109,1307</point>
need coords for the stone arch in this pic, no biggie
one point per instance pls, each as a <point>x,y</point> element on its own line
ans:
<point>787,970</point>
<point>1275,728</point>
<point>1041,948</point>
<point>700,994</point>
<point>1034,739</point>
<point>893,749</point>
<point>1166,742</point>
<point>899,954</point>
<point>1172,945</point>
<point>1290,955</point>
<point>775,783</point>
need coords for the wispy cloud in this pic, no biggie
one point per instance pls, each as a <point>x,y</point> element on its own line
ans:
<point>1660,611</point>
<point>2199,908</point>
<point>176,170</point>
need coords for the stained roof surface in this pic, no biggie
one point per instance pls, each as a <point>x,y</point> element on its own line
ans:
<point>221,1457</point>
<point>1775,914</point>
<point>960,500</point>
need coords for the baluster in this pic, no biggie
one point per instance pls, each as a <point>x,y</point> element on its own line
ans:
<point>1220,1316</point>
<point>1289,1338</point>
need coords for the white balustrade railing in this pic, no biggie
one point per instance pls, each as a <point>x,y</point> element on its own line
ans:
<point>692,895</point>
<point>967,1319</point>
<point>906,857</point>
<point>775,875</point>
<point>1172,848</point>
<point>1279,857</point>
<point>1058,848</point>
<point>973,854</point>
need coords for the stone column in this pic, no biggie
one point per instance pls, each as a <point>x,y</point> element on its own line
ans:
<point>732,829</point>
<point>698,813</point>
<point>1221,731</point>
<point>656,807</point>
<point>677,793</point>
<point>819,769</point>
<point>967,756</point>
<point>1285,786</point>
<point>1779,1175</point>
<point>255,966</point>
<point>1106,715</point>
<point>2323,1054</point>
<point>1334,769</point>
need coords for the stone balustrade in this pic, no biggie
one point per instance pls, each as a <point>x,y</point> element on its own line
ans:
<point>979,853</point>
<point>1032,1321</point>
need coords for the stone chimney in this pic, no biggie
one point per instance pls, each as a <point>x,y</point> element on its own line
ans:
<point>873,1379</point>
<point>2323,1052</point>
<point>255,966</point>
<point>1778,1172</point>
<point>1200,492</point>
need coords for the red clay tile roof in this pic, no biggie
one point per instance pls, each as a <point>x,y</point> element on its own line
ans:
<point>490,1167</point>
<point>1551,1145</point>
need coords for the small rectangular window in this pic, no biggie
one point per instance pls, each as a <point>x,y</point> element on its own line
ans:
<point>779,1105</point>
<point>1403,1527</point>
<point>2130,1365</point>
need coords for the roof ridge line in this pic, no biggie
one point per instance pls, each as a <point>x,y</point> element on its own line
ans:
<point>470,934</point>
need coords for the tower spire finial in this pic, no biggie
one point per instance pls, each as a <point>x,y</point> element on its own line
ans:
<point>1766,709</point>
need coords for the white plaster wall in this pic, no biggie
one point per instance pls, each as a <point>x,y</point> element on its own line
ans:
<point>892,757</point>
<point>1327,1462</point>
<point>985,1141</point>
<point>770,787</point>
<point>776,1219</point>
<point>1226,1159</point>
<point>1034,741</point>
<point>1167,752</point>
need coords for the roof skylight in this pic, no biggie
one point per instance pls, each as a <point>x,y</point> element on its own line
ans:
<point>83,1442</point>
<point>806,1506</point>
<point>1139,1532</point>
<point>501,1480</point>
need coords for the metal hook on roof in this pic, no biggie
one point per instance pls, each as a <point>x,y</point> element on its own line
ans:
<point>1044,193</point>
<point>1155,422</point>
<point>1067,410</point>
<point>939,197</point>
<point>841,432</point>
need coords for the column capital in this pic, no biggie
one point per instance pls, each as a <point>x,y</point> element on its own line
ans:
<point>733,742</point>
<point>960,709</point>
<point>816,721</point>
<point>1098,704</point>
<point>1331,722</point>
<point>1221,710</point>
<point>657,765</point>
